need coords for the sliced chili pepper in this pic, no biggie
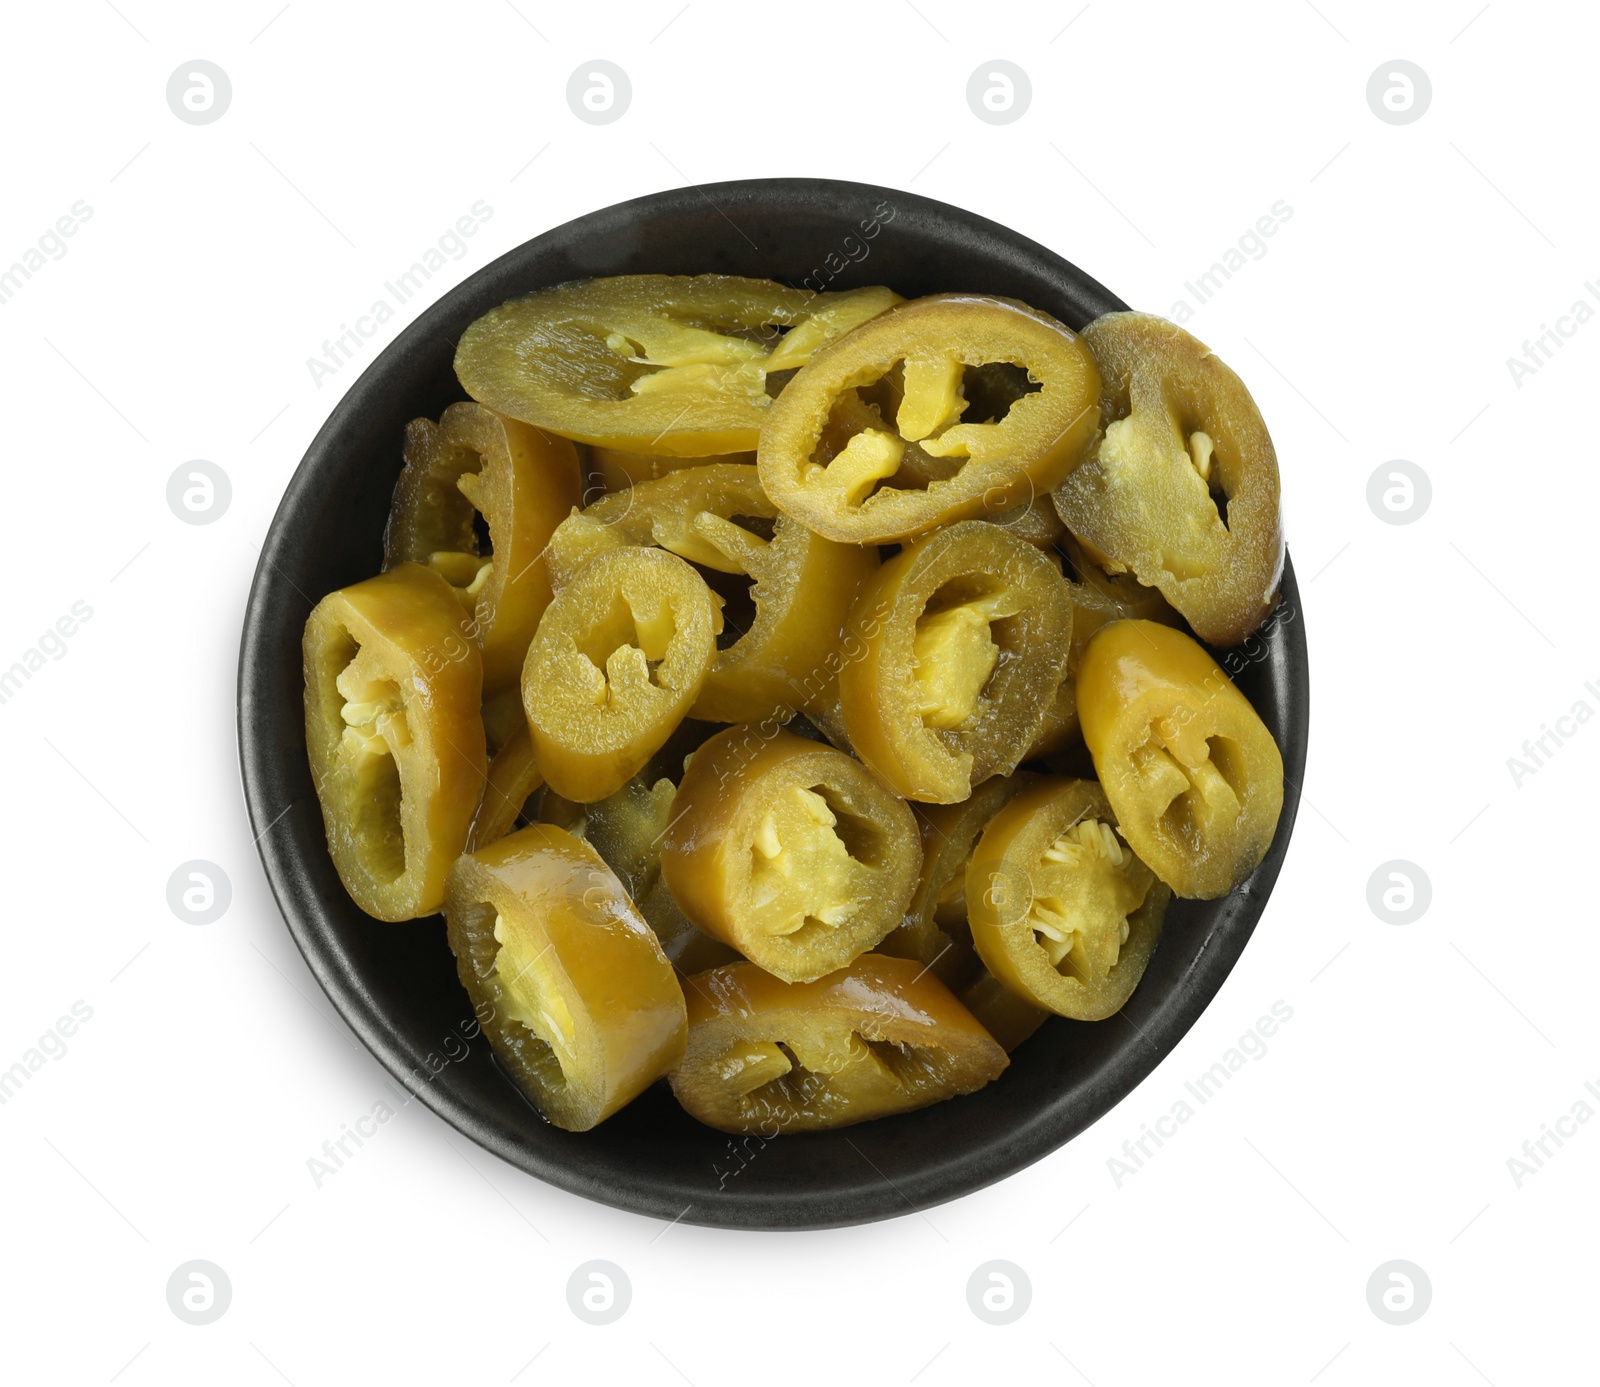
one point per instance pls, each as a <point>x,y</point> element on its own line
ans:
<point>1062,912</point>
<point>1192,771</point>
<point>1182,489</point>
<point>803,585</point>
<point>619,659</point>
<point>789,851</point>
<point>523,482</point>
<point>953,686</point>
<point>673,365</point>
<point>882,1036</point>
<point>393,682</point>
<point>568,982</point>
<point>830,456</point>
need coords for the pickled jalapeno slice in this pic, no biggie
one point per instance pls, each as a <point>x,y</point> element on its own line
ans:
<point>882,1036</point>
<point>875,440</point>
<point>1190,768</point>
<point>956,678</point>
<point>523,483</point>
<point>995,1007</point>
<point>619,659</point>
<point>566,979</point>
<point>1062,912</point>
<point>1182,488</point>
<point>669,364</point>
<point>789,851</point>
<point>393,683</point>
<point>611,469</point>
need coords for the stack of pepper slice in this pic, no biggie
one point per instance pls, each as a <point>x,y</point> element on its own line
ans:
<point>831,652</point>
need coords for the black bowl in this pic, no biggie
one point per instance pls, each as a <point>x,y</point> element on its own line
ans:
<point>396,985</point>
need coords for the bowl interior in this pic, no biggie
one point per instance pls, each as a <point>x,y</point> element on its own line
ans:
<point>396,985</point>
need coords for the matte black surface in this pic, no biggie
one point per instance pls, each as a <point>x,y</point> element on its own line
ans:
<point>396,984</point>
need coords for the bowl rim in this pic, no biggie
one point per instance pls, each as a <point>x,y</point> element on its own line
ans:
<point>1047,1128</point>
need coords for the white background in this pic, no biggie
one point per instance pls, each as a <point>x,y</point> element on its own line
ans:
<point>1378,1123</point>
